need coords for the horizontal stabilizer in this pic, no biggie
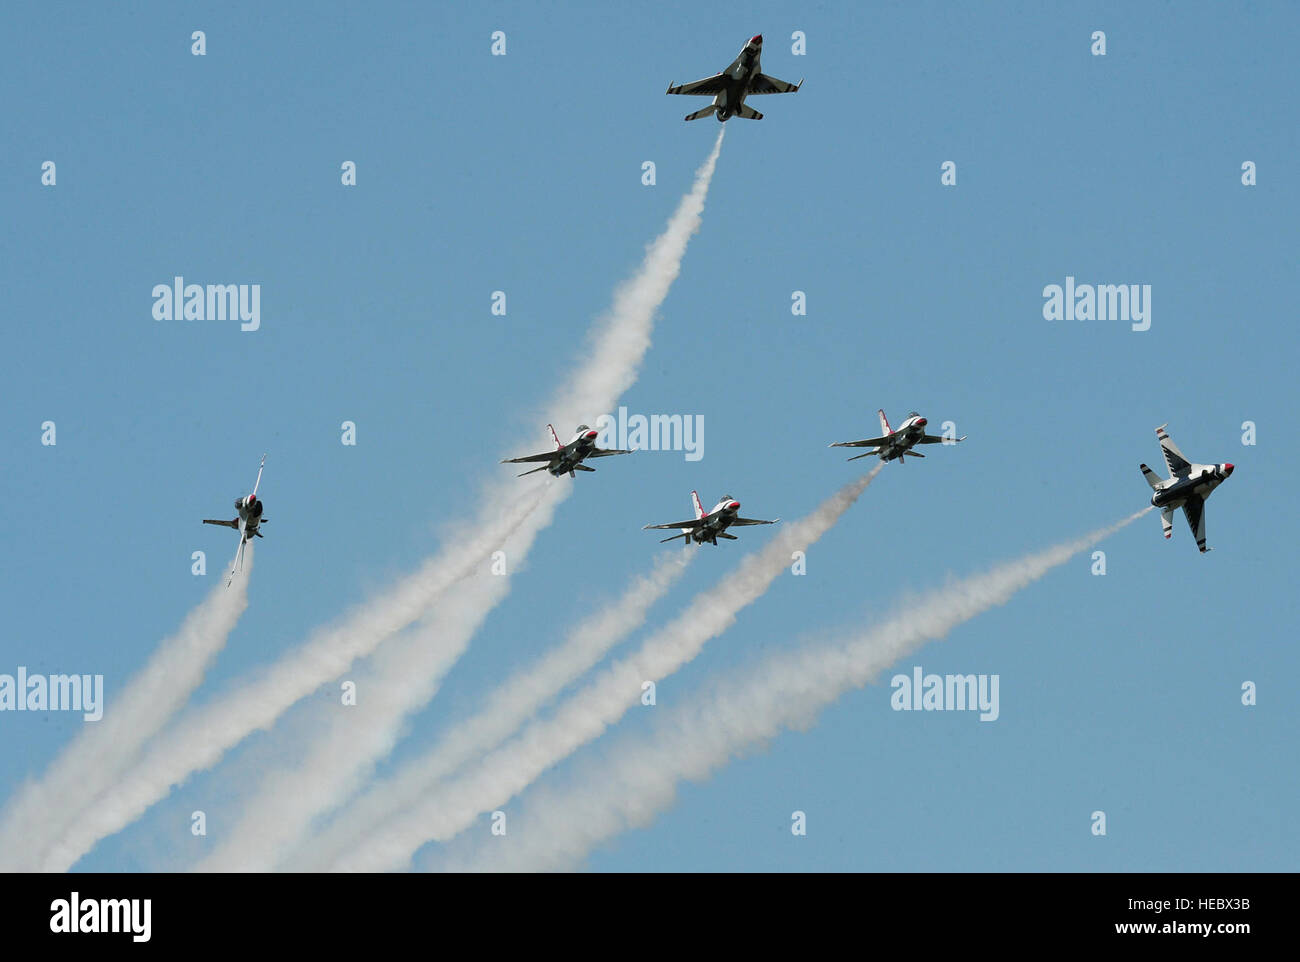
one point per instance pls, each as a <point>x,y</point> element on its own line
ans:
<point>748,112</point>
<point>729,537</point>
<point>867,455</point>
<point>582,467</point>
<point>684,534</point>
<point>1153,479</point>
<point>534,471</point>
<point>224,524</point>
<point>708,111</point>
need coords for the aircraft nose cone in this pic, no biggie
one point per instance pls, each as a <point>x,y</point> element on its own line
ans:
<point>590,435</point>
<point>921,422</point>
<point>1227,469</point>
<point>757,38</point>
<point>734,506</point>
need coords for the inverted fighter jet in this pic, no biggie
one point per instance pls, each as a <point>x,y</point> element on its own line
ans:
<point>730,88</point>
<point>568,458</point>
<point>1187,487</point>
<point>711,526</point>
<point>897,444</point>
<point>247,522</point>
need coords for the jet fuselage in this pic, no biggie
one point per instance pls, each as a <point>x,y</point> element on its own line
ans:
<point>740,75</point>
<point>1202,479</point>
<point>719,520</point>
<point>574,452</point>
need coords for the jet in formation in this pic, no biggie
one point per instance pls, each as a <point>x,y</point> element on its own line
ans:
<point>897,444</point>
<point>730,88</point>
<point>248,521</point>
<point>1187,487</point>
<point>709,526</point>
<point>568,458</point>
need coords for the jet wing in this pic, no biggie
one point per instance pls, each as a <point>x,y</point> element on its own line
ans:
<point>763,84</point>
<point>693,523</point>
<point>708,87</point>
<point>1194,508</point>
<point>1179,466</point>
<point>224,524</point>
<point>937,439</point>
<point>745,521</point>
<point>868,443</point>
<point>548,456</point>
<point>605,452</point>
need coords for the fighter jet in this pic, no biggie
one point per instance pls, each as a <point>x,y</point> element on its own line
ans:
<point>568,458</point>
<point>897,444</point>
<point>709,527</point>
<point>730,88</point>
<point>247,523</point>
<point>1187,487</point>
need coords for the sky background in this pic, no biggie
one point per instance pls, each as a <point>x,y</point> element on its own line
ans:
<point>522,173</point>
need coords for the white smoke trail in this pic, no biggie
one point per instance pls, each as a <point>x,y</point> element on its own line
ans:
<point>509,706</point>
<point>346,744</point>
<point>600,704</point>
<point>203,735</point>
<point>282,810</point>
<point>41,810</point>
<point>636,780</point>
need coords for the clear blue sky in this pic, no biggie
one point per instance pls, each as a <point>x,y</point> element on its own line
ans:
<point>523,173</point>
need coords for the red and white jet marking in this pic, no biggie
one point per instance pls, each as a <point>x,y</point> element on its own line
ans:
<point>898,444</point>
<point>711,526</point>
<point>567,458</point>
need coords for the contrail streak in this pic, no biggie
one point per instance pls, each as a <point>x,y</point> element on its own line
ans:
<point>512,704</point>
<point>511,768</point>
<point>636,780</point>
<point>405,679</point>
<point>41,810</point>
<point>203,735</point>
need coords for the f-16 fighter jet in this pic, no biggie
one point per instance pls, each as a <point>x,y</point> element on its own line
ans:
<point>1187,487</point>
<point>711,526</point>
<point>568,458</point>
<point>897,444</point>
<point>247,523</point>
<point>730,88</point>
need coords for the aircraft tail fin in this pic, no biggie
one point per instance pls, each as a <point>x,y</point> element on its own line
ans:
<point>884,423</point>
<point>555,436</point>
<point>695,502</point>
<point>708,111</point>
<point>1153,479</point>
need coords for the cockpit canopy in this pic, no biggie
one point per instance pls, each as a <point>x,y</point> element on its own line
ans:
<point>727,497</point>
<point>583,427</point>
<point>913,414</point>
